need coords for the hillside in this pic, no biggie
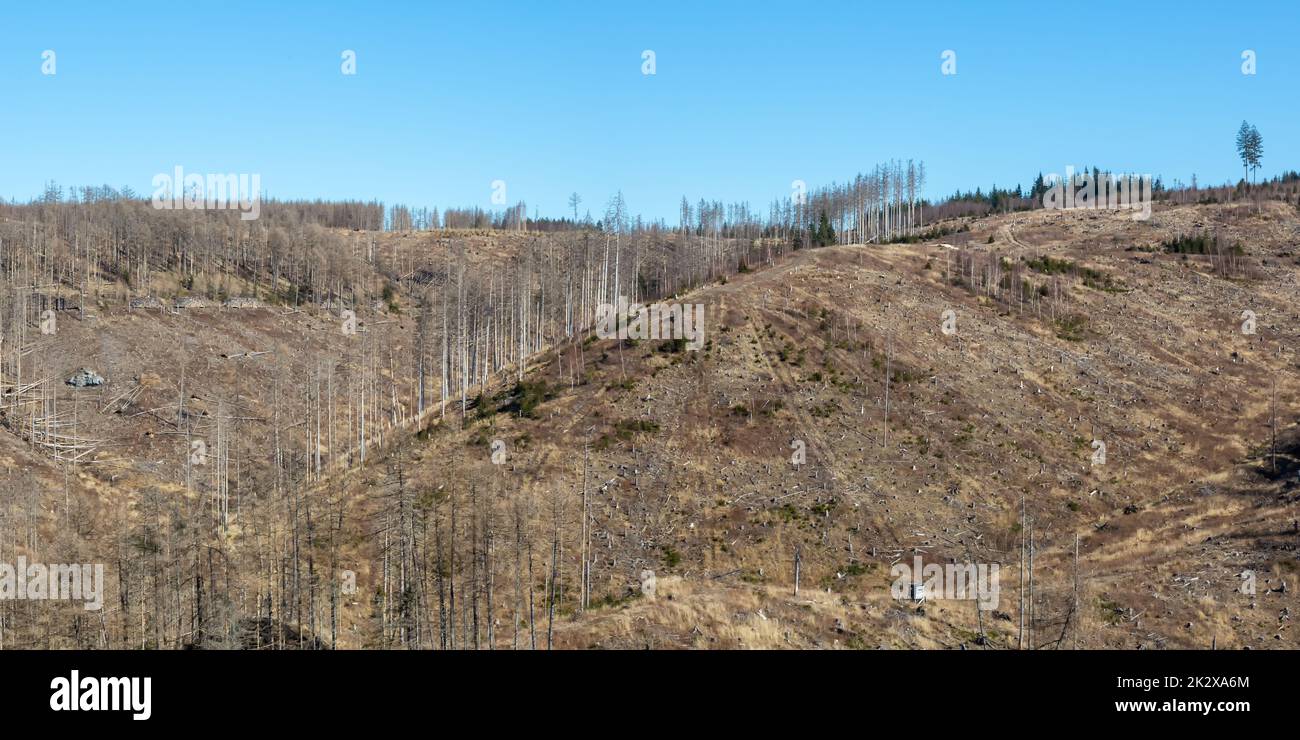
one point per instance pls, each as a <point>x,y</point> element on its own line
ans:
<point>622,457</point>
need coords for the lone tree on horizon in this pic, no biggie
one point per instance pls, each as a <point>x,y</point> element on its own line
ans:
<point>1250,147</point>
<point>574,200</point>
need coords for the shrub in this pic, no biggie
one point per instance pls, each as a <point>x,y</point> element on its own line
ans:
<point>526,396</point>
<point>671,557</point>
<point>1071,328</point>
<point>625,428</point>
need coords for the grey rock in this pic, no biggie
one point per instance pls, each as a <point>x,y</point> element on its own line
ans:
<point>146,302</point>
<point>85,378</point>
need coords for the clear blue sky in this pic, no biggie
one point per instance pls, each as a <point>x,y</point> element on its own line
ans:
<point>549,96</point>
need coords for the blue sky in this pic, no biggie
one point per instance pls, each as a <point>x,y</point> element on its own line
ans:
<point>550,98</point>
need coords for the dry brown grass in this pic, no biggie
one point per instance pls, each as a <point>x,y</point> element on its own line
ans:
<point>705,496</point>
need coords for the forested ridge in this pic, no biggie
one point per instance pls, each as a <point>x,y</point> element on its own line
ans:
<point>348,370</point>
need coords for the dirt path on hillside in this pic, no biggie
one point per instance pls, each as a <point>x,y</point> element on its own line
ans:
<point>1008,233</point>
